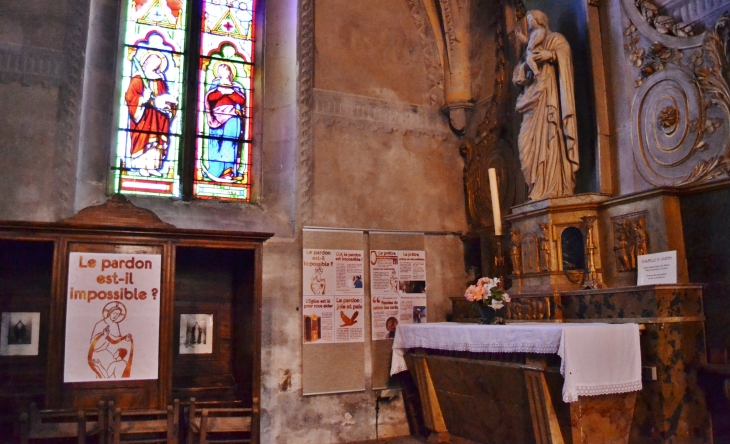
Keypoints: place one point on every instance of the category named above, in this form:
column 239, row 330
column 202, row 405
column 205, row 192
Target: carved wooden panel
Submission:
column 515, row 252
column 528, row 309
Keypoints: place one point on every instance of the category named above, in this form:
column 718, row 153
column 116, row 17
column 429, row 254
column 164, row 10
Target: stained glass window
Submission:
column 224, row 111
column 154, row 155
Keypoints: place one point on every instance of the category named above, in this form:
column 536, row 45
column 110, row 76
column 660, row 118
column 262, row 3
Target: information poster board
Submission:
column 397, row 289
column 333, row 296
column 112, row 317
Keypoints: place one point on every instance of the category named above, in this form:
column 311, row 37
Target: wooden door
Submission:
column 119, row 342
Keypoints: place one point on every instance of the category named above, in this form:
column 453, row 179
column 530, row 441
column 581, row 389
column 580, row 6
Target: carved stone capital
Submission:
column 459, row 114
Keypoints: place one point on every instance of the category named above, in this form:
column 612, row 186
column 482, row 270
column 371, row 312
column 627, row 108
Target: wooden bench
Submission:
column 51, row 425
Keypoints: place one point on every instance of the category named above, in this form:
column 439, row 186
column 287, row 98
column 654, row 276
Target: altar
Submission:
column 529, row 382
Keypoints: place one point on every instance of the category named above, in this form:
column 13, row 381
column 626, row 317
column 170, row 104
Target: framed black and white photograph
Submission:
column 196, row 334
column 19, row 333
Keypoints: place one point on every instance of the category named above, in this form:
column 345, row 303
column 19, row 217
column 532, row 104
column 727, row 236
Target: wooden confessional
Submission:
column 202, row 271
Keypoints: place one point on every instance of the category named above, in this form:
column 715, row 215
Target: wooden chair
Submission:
column 205, row 418
column 146, row 426
column 52, row 425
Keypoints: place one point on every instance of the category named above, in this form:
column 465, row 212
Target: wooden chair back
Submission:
column 206, row 418
column 148, row 426
column 52, row 425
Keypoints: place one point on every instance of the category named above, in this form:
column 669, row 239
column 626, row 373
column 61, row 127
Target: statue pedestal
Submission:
column 549, row 239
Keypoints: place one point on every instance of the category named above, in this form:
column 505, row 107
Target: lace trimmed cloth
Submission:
column 597, row 359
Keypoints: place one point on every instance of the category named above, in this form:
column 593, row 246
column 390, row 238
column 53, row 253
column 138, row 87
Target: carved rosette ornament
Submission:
column 681, row 108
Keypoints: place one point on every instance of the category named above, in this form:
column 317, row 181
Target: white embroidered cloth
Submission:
column 596, row 358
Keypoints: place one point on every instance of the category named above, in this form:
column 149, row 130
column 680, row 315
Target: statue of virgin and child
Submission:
column 548, row 140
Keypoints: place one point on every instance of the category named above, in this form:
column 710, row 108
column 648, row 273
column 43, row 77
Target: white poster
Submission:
column 397, row 289
column 112, row 317
column 349, row 319
column 337, row 274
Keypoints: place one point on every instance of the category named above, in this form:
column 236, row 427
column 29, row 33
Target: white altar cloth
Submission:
column 597, row 358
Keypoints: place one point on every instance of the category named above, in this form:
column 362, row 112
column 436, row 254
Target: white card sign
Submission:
column 657, row 268
column 112, row 317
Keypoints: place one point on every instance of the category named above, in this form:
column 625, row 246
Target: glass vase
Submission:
column 490, row 316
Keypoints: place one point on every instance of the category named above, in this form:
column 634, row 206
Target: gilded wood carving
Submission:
column 630, row 240
column 530, row 259
column 515, row 252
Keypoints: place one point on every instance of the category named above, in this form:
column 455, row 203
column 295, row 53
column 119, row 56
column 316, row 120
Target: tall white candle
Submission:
column 495, row 202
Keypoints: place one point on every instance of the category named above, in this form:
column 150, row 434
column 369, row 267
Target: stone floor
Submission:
column 414, row 439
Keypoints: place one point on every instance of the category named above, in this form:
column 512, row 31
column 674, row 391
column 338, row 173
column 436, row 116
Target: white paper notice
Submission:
column 112, row 317
column 349, row 319
column 385, row 316
column 657, row 268
column 349, row 266
column 319, row 314
column 319, row 272
column 383, row 272
column 401, row 274
column 338, row 275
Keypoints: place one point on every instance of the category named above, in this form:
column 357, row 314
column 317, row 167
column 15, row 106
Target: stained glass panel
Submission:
column 223, row 144
column 150, row 113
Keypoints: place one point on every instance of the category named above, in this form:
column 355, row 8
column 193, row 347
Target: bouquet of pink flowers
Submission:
column 487, row 293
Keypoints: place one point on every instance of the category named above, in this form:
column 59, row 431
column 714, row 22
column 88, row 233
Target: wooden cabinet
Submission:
column 202, row 272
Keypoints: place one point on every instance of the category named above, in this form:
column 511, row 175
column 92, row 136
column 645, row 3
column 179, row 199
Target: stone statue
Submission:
column 548, row 139
column 544, row 247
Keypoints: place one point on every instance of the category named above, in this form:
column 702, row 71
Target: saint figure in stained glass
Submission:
column 225, row 106
column 152, row 108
